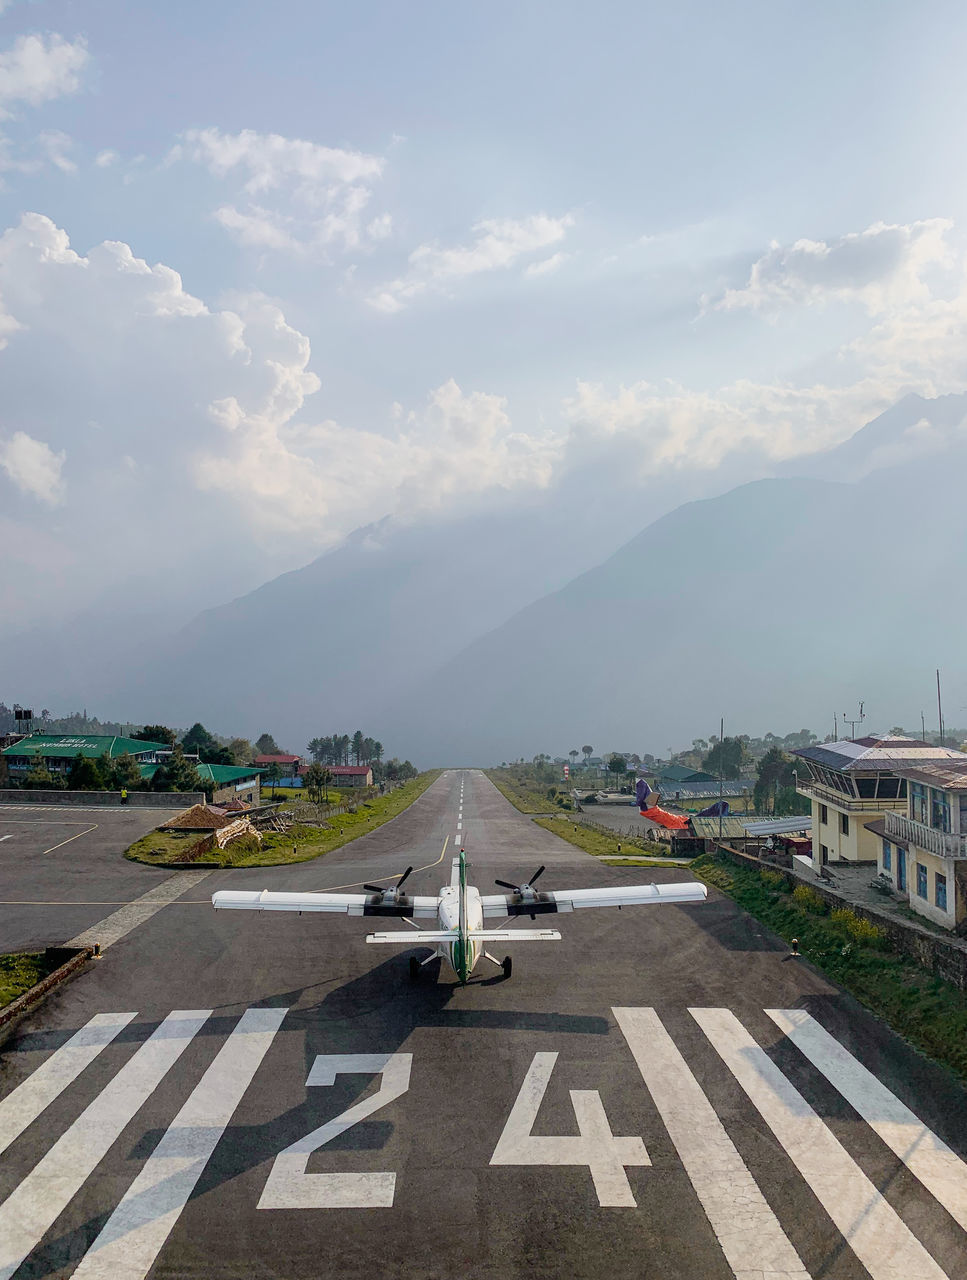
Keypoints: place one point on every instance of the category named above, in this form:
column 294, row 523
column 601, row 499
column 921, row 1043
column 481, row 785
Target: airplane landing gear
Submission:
column 507, row 966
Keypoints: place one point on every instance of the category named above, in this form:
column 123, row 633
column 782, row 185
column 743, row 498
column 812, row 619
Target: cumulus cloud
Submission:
column 290, row 194
column 497, row 244
column 33, row 466
column 880, row 267
column 38, row 68
column 104, row 159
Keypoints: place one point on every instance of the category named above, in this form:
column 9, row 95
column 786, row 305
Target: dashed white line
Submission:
column 132, row 1237
column 21, row 1107
column 880, row 1239
column 34, row 1206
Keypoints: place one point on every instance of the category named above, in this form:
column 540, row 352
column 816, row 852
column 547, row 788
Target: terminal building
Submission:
column 58, row 751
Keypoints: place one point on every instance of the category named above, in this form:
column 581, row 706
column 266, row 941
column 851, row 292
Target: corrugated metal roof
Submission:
column 950, row 775
column 732, row 827
column 90, row 745
column 778, row 826
column 885, row 755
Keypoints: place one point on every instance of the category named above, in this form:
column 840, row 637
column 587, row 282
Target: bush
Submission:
column 858, row 927
column 809, row 900
column 591, row 798
column 774, row 879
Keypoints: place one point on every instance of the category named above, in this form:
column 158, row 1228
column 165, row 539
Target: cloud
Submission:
column 547, row 265
column 33, row 466
column 497, row 244
column 104, row 159
column 290, row 195
column 37, row 68
column 879, row 267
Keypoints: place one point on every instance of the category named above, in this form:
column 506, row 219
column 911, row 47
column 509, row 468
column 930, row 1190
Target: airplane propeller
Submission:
column 393, row 892
column 522, row 888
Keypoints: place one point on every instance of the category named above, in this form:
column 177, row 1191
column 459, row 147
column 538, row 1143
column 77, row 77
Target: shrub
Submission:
column 774, row 879
column 808, row 899
column 858, row 927
column 591, row 798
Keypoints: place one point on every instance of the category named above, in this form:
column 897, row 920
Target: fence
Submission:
column 136, row 799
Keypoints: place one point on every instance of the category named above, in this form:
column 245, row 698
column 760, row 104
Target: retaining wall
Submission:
column 136, row 799
column 946, row 957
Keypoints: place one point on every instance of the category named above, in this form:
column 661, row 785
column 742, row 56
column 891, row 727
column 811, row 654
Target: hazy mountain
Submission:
column 779, row 603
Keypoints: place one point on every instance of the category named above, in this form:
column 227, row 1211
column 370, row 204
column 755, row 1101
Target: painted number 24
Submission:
column 596, row 1148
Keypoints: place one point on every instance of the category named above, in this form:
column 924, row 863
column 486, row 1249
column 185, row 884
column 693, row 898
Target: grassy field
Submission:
column 20, row 970
column 927, row 1011
column 302, row 842
column 523, row 794
column 608, row 847
column 297, row 793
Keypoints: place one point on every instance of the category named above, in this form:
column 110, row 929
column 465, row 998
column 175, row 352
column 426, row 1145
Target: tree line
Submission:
column 340, row 748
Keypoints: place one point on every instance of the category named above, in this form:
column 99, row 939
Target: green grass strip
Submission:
column 929, row 1012
column 300, row 844
column 601, row 845
column 521, row 796
column 21, row 970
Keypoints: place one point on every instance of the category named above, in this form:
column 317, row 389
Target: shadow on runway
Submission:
column 374, row 1013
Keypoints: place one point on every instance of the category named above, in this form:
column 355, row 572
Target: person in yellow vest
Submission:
column 124, row 795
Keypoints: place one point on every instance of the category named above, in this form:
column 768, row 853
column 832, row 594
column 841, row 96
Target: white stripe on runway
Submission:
column 22, row 1107
column 878, row 1237
column 940, row 1170
column 2, row 838
column 459, row 825
column 32, row 1208
column 115, row 926
column 752, row 1240
column 133, row 1236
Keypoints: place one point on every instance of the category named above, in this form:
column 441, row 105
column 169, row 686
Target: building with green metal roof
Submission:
column 231, row 781
column 59, row 750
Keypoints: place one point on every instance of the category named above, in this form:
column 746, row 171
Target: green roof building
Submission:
column 59, row 750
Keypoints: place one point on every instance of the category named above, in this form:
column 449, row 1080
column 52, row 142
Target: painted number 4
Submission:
column 605, row 1156
column 290, row 1187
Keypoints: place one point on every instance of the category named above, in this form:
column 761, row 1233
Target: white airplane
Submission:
column 460, row 911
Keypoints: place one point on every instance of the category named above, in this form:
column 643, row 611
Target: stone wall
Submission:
column 946, row 957
column 136, row 799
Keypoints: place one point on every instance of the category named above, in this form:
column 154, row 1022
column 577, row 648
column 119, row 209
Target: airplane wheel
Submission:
column 414, row 968
column 507, row 966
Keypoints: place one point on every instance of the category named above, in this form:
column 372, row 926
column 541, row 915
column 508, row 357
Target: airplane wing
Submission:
column 432, row 937
column 353, row 904
column 632, row 895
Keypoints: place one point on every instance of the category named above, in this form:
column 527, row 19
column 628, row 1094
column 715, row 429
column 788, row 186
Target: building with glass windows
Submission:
column 857, row 782
column 923, row 852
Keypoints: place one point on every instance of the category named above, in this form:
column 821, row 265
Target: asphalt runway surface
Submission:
column 663, row 1093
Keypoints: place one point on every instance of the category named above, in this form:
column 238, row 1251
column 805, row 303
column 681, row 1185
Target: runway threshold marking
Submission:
column 111, row 930
column 133, row 1236
column 881, row 1240
column 21, row 1107
column 70, row 838
column 34, row 1206
column 927, row 1157
column 748, row 1231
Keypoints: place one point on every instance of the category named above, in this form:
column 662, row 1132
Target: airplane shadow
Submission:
column 376, row 1012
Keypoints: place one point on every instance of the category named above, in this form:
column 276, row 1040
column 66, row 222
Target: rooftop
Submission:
column 52, row 745
column 876, row 755
column 947, row 776
column 280, row 757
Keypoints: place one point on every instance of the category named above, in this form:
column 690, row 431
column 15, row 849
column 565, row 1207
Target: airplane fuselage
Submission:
column 464, row 951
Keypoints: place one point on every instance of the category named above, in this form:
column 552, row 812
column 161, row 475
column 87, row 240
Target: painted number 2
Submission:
column 290, row 1187
column 605, row 1156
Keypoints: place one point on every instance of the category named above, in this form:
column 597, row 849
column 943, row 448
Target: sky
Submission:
column 271, row 272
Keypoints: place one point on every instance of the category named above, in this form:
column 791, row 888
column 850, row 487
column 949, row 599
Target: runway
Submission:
column 663, row 1093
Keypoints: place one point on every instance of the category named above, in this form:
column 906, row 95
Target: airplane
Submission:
column 460, row 910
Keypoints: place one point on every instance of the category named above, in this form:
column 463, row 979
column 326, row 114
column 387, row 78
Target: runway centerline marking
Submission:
column 881, row 1240
column 34, row 1206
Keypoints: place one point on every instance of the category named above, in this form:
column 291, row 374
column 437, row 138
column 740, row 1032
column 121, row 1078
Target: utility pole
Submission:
column 721, row 767
column 939, row 708
column 923, row 728
column 853, row 723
